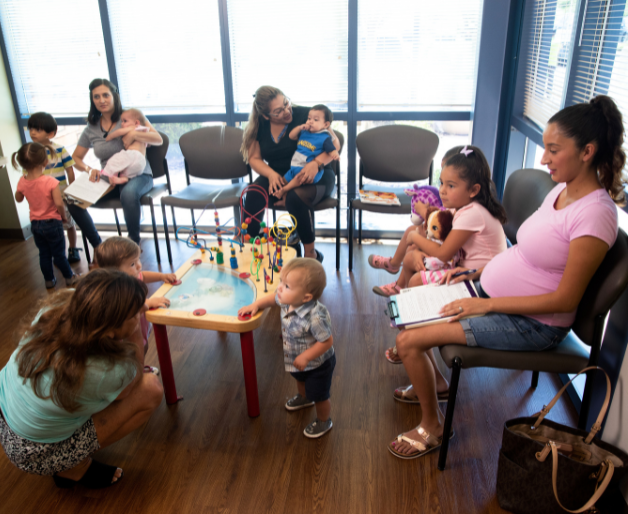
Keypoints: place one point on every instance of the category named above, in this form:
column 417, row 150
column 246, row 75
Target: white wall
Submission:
column 12, row 214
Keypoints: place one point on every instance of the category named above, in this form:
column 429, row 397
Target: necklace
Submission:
column 271, row 134
column 105, row 134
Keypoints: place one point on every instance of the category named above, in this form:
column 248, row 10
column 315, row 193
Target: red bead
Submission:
column 247, row 220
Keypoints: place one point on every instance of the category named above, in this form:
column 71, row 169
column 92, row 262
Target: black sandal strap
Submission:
column 99, row 475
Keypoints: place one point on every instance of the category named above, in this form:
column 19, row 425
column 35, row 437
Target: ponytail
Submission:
column 599, row 122
column 263, row 96
column 31, row 155
column 473, row 168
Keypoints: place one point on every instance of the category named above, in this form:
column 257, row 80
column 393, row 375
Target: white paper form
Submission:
column 84, row 191
column 420, row 304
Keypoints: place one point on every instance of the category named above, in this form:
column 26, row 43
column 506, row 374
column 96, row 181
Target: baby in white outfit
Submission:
column 131, row 161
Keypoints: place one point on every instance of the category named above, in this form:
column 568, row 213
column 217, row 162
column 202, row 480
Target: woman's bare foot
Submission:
column 405, row 448
column 77, row 472
column 392, row 355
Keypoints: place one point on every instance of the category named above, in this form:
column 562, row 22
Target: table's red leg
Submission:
column 165, row 364
column 250, row 375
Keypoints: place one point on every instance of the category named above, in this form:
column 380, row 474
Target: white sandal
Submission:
column 430, row 443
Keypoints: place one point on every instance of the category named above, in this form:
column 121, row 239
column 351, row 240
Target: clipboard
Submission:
column 409, row 300
column 84, row 193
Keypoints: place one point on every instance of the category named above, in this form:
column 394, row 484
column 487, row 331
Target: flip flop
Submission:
column 97, row 476
column 430, row 443
column 392, row 350
column 406, row 395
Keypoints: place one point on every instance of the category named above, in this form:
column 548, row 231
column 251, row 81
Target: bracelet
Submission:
column 88, row 170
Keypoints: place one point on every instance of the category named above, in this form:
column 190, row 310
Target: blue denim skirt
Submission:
column 511, row 332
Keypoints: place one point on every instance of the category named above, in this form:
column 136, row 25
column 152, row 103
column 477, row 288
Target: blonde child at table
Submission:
column 123, row 254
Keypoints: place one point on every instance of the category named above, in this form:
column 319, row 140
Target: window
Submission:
column 417, row 55
column 55, row 49
column 299, row 46
column 551, row 32
column 602, row 67
column 168, row 56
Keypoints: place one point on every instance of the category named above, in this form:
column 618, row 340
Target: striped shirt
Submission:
column 301, row 329
column 57, row 169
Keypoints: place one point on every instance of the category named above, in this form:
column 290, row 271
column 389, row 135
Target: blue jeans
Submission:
column 50, row 240
column 129, row 195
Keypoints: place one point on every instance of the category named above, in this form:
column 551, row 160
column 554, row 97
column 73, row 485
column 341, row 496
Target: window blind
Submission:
column 298, row 46
column 417, row 54
column 602, row 67
column 550, row 34
column 168, row 55
column 55, row 49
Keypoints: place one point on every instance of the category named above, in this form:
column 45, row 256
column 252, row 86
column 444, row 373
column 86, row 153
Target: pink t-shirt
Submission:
column 38, row 193
column 535, row 265
column 488, row 240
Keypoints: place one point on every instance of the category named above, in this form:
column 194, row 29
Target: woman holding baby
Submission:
column 103, row 119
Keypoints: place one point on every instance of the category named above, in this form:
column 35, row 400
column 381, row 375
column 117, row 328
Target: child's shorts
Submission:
column 432, row 276
column 317, row 380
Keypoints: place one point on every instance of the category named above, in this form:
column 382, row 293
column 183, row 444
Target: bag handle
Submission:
column 597, row 426
column 599, row 490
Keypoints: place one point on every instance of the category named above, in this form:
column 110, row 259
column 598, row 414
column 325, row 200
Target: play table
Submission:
column 208, row 297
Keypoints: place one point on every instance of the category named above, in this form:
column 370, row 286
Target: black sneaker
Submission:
column 73, row 255
column 298, row 402
column 51, row 283
column 317, row 428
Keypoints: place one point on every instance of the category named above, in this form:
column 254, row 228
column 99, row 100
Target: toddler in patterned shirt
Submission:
column 307, row 340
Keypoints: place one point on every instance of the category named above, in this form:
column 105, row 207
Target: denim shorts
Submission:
column 511, row 332
column 317, row 380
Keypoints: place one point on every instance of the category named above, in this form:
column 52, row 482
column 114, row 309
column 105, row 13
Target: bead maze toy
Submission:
column 210, row 288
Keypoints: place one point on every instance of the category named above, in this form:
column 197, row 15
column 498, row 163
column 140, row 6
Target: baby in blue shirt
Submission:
column 315, row 137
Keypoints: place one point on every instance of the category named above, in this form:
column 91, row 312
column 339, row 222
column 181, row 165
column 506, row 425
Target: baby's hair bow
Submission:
column 466, row 151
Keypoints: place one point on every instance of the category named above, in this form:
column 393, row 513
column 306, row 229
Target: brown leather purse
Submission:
column 548, row 468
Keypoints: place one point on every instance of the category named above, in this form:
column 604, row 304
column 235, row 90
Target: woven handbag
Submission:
column 548, row 468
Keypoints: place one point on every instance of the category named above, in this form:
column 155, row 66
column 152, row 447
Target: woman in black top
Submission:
column 268, row 149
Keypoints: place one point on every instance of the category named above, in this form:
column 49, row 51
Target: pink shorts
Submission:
column 433, row 276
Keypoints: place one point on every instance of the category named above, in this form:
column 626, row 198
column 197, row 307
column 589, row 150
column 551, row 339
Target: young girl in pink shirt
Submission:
column 46, row 210
column 466, row 186
column 532, row 290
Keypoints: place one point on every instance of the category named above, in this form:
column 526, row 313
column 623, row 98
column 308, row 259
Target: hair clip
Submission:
column 253, row 95
column 466, row 151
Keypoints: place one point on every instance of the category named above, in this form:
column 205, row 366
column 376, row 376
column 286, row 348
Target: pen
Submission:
column 461, row 273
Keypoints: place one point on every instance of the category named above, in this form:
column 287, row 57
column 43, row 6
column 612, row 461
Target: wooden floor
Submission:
column 205, row 454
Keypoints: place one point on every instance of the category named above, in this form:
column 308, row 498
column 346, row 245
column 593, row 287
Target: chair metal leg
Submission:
column 174, row 220
column 274, row 216
column 163, row 212
column 535, row 379
column 449, row 417
column 86, row 248
column 115, row 213
column 338, row 237
column 585, row 406
column 152, row 216
column 360, row 227
column 350, row 236
column 193, row 221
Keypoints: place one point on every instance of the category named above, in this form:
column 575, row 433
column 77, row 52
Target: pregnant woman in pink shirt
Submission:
column 530, row 292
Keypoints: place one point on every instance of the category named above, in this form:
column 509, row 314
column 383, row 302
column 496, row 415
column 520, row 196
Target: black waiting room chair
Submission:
column 156, row 156
column 393, row 153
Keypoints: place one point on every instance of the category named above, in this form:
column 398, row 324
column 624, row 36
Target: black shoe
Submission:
column 319, row 256
column 51, row 283
column 73, row 255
